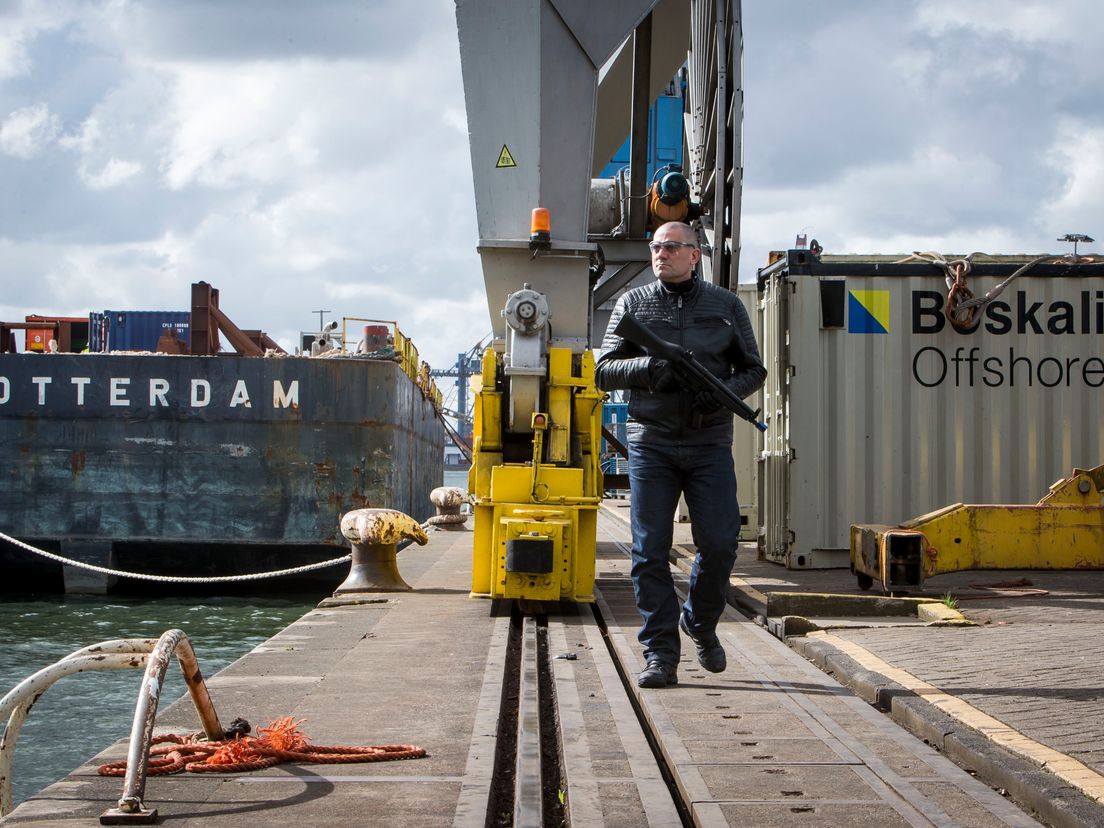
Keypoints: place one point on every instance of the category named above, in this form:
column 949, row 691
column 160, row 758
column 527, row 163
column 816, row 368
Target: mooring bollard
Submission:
column 448, row 500
column 375, row 534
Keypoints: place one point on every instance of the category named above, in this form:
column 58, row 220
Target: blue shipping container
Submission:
column 615, row 418
column 135, row 330
column 664, row 139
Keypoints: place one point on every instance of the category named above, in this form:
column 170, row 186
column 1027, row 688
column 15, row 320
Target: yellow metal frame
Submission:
column 1064, row 530
column 553, row 497
column 417, row 369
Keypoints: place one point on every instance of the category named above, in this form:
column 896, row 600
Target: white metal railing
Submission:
column 152, row 654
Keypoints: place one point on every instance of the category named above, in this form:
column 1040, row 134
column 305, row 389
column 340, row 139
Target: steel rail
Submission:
column 550, row 720
column 528, row 784
column 581, row 789
column 472, row 803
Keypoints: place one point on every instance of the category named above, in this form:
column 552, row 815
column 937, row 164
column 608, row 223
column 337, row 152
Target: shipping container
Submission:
column 135, row 330
column 879, row 410
column 745, row 437
column 615, row 419
column 69, row 333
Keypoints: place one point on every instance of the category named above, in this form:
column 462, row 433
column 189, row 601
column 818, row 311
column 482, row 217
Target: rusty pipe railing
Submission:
column 130, row 807
column 154, row 655
column 107, row 655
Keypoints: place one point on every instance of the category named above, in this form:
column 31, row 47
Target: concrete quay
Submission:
column 1011, row 691
column 774, row 740
column 1017, row 698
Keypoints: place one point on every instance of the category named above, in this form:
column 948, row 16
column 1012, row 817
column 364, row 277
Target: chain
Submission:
column 962, row 308
column 174, row 579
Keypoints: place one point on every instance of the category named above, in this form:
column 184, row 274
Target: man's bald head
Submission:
column 676, row 231
column 674, row 262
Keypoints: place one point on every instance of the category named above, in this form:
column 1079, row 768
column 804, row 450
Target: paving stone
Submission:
column 1034, row 661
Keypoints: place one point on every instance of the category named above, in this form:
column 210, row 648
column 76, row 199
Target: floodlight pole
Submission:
column 1075, row 238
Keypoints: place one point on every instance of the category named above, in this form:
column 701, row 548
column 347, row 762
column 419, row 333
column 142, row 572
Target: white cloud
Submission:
column 454, row 323
column 24, row 22
column 77, row 278
column 19, row 26
column 86, row 139
column 915, row 202
column 120, row 136
column 960, row 125
column 950, row 242
column 1030, row 22
column 27, row 131
column 358, row 292
column 114, row 173
column 289, row 181
column 317, row 158
column 1078, row 154
column 14, row 60
column 232, row 125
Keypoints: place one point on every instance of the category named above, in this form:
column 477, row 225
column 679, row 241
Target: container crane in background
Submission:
column 552, row 87
column 467, row 365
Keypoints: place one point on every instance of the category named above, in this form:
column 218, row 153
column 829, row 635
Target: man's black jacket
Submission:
column 709, row 321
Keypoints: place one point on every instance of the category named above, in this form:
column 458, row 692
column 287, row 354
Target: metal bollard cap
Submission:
column 448, row 497
column 381, row 526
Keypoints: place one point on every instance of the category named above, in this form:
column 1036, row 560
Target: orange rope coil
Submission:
column 282, row 741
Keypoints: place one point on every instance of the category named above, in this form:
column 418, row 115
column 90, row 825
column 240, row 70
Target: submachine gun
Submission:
column 691, row 374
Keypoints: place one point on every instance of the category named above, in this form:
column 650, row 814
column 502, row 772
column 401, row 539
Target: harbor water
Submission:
column 456, row 477
column 82, row 714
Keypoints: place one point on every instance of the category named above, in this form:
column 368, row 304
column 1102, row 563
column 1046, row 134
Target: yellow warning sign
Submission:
column 505, row 159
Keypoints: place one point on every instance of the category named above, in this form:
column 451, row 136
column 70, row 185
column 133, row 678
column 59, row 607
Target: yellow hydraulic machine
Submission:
column 535, row 477
column 551, row 88
column 1064, row 530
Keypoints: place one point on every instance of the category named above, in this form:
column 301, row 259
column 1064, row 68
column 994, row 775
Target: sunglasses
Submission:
column 669, row 246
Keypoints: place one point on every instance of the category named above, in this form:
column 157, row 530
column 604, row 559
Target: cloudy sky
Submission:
column 303, row 156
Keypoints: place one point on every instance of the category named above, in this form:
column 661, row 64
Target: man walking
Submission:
column 681, row 443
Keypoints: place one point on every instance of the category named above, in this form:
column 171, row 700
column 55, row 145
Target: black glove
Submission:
column 661, row 375
column 705, row 403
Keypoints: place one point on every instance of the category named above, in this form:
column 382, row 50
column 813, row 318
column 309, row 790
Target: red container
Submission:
column 70, row 333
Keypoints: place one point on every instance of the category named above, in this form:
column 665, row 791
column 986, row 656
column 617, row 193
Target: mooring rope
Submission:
column 282, row 741
column 174, row 579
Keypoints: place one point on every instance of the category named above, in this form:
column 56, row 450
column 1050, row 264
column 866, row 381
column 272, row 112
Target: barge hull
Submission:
column 213, row 450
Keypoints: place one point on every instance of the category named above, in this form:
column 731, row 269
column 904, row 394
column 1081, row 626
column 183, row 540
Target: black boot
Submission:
column 711, row 654
column 657, row 674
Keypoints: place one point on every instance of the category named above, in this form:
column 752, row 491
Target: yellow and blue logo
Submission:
column 868, row 311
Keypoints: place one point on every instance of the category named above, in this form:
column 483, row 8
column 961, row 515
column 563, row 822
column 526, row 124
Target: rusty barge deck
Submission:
column 102, row 450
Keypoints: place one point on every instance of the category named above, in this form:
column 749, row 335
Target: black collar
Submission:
column 680, row 288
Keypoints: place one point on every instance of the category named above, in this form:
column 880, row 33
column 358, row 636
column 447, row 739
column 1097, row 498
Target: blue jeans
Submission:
column 657, row 475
